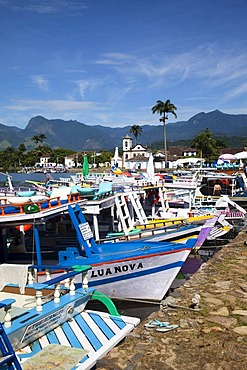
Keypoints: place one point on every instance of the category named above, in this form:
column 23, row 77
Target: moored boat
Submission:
column 49, row 325
column 131, row 269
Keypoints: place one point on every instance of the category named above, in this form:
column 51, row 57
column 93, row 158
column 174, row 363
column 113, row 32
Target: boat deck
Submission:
column 95, row 332
column 49, row 324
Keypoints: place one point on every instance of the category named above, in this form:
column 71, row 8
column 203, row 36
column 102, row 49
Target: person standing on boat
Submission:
column 48, row 178
column 217, row 188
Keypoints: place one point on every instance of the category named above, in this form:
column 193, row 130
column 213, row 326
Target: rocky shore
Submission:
column 212, row 335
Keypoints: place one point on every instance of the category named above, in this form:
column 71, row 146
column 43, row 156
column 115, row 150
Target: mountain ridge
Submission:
column 79, row 136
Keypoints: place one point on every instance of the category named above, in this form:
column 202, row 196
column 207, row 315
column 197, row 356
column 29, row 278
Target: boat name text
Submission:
column 116, row 269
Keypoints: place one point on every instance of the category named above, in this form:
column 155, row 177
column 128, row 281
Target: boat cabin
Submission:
column 228, row 184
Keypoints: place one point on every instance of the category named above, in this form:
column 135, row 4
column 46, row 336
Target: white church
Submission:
column 133, row 157
column 136, row 158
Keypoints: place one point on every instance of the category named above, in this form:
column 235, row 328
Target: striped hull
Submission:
column 96, row 332
column 146, row 277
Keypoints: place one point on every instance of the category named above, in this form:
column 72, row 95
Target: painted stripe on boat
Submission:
column 71, row 333
column 85, row 343
column 52, row 337
column 135, row 274
column 61, row 336
column 94, row 335
column 181, row 249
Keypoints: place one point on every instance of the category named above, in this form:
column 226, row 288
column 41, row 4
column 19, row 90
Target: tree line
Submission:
column 206, row 143
column 15, row 158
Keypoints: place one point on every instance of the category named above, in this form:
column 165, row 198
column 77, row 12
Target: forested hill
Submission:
column 80, row 136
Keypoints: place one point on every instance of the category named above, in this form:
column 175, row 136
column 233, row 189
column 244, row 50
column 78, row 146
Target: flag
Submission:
column 85, row 168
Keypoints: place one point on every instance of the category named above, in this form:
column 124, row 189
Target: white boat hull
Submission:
column 143, row 278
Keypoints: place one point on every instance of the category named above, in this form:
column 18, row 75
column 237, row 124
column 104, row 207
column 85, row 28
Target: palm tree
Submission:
column 163, row 108
column 135, row 130
column 38, row 138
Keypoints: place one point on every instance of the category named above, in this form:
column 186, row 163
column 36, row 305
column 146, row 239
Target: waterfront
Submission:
column 211, row 338
column 34, row 176
column 141, row 310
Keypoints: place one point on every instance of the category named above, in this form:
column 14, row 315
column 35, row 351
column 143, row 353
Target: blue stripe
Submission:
column 74, row 342
column 92, row 338
column 85, row 358
column 135, row 274
column 102, row 325
column 52, row 338
column 118, row 321
column 72, row 338
column 35, row 347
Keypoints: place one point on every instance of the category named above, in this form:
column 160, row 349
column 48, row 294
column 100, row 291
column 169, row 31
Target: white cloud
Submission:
column 206, row 64
column 241, row 89
column 46, row 105
column 89, row 85
column 72, row 7
column 114, row 58
column 41, row 82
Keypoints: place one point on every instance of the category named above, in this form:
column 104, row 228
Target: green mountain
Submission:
column 79, row 136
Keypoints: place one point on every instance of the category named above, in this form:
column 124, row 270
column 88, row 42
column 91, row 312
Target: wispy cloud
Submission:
column 46, row 105
column 87, row 86
column 41, row 82
column 114, row 59
column 206, row 65
column 46, row 6
column 241, row 89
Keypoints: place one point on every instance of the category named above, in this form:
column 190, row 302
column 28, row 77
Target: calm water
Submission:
column 21, row 177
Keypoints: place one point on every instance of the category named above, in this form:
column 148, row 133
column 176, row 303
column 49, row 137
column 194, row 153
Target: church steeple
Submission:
column 127, row 148
column 127, row 143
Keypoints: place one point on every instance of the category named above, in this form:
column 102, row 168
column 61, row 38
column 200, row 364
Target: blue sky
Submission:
column 107, row 62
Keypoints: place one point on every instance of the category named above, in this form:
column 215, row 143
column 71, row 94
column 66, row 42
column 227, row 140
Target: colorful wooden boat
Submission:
column 49, row 325
column 19, row 213
column 132, row 269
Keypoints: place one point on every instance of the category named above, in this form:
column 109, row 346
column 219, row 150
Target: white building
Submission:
column 134, row 157
column 71, row 161
column 44, row 161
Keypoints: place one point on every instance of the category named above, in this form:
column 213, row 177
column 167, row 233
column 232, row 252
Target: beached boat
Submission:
column 138, row 269
column 48, row 325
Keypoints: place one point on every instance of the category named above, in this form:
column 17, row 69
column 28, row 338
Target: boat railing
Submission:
column 147, row 230
column 37, row 206
column 64, row 280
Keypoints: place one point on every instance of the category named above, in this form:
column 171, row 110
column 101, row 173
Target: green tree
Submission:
column 245, row 143
column 21, row 153
column 38, row 138
column 103, row 157
column 136, row 130
column 220, row 142
column 58, row 155
column 22, row 148
column 206, row 143
column 163, row 109
column 9, row 158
